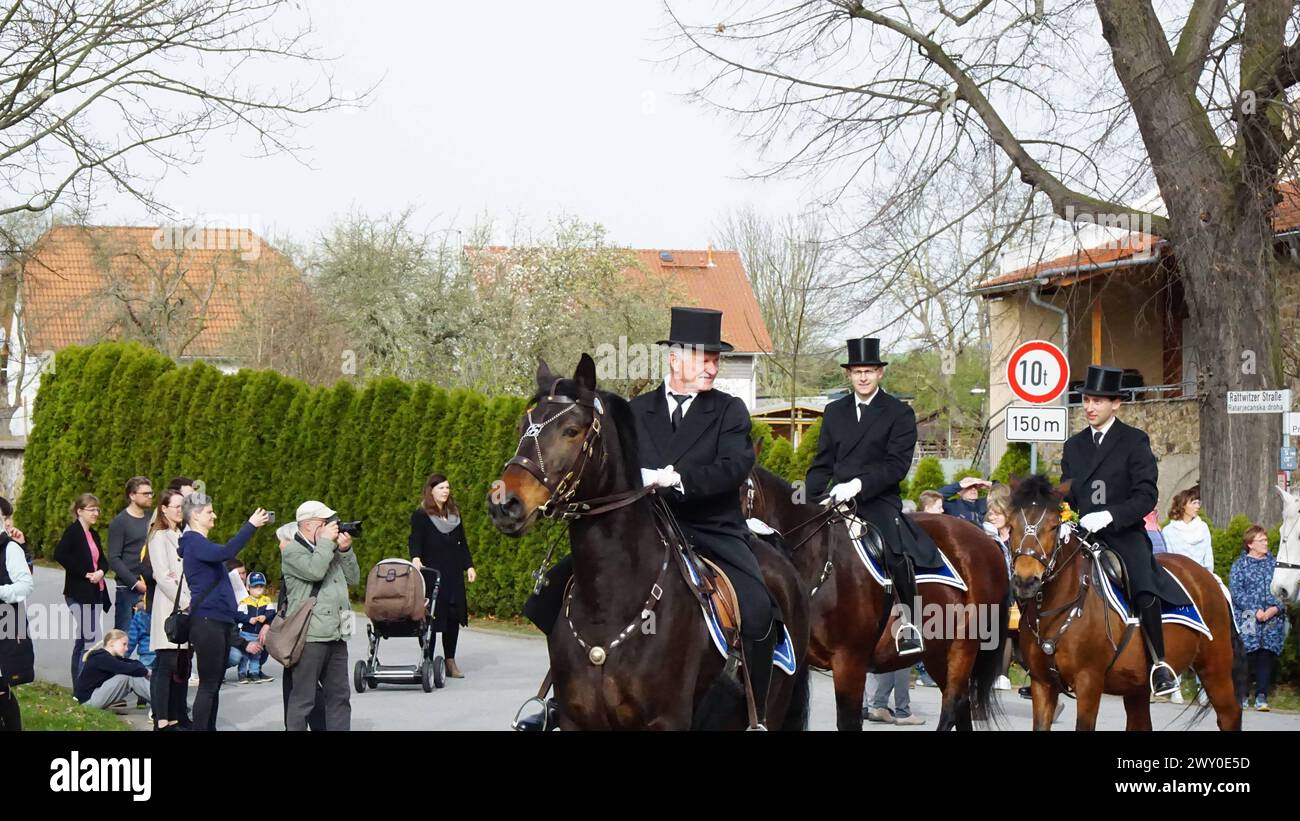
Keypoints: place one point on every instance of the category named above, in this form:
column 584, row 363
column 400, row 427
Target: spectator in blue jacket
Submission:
column 968, row 505
column 213, row 614
column 107, row 676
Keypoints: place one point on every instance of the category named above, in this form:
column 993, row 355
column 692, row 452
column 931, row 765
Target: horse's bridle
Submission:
column 563, row 490
column 1282, row 542
column 1049, row 563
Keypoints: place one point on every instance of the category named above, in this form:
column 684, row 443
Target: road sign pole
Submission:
column 1033, row 458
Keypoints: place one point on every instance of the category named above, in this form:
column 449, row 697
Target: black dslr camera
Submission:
column 353, row 529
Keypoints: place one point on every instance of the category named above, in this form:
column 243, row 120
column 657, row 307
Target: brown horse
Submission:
column 630, row 649
column 1093, row 650
column 852, row 627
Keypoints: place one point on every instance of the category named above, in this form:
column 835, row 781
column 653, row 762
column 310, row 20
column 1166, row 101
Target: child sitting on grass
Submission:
column 107, row 676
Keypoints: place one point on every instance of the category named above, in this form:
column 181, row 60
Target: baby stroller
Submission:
column 399, row 604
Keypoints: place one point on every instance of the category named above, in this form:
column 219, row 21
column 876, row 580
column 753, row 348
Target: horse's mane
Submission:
column 617, row 410
column 620, row 411
column 785, row 496
column 1034, row 490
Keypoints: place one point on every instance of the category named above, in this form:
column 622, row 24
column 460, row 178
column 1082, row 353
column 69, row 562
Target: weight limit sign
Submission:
column 1037, row 372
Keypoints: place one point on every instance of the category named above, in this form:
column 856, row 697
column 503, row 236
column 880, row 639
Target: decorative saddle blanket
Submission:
column 782, row 656
column 1186, row 615
column 946, row 574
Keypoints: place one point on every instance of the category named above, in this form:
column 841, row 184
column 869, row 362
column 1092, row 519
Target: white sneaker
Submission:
column 1003, row 683
column 1202, row 699
column 1176, row 698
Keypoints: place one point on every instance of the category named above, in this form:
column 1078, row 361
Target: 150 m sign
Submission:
column 1035, row 424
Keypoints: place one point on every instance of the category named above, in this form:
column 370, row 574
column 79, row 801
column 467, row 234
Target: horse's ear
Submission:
column 585, row 374
column 758, row 448
column 1013, row 482
column 1064, row 488
column 544, row 376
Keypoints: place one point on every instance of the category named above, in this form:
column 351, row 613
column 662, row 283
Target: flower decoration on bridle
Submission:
column 1068, row 513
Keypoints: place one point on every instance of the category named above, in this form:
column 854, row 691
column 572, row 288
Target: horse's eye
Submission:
column 569, row 433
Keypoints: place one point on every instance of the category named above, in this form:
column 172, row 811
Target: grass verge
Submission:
column 47, row 706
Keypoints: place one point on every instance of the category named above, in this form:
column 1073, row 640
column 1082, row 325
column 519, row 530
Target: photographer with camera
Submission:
column 319, row 563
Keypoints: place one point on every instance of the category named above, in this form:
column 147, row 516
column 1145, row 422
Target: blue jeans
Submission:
column 124, row 606
column 879, row 686
column 86, row 625
column 250, row 665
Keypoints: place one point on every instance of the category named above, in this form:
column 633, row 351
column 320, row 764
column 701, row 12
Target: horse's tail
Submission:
column 985, row 673
column 1240, row 669
column 796, row 715
column 1240, row 676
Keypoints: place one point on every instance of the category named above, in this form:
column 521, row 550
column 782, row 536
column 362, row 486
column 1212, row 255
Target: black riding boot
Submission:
column 540, row 720
column 1163, row 679
column 907, row 639
column 758, row 661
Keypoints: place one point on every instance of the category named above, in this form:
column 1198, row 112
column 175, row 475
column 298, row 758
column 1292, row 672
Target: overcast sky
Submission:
column 520, row 109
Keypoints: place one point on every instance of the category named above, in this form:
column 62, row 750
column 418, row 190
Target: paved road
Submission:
column 503, row 669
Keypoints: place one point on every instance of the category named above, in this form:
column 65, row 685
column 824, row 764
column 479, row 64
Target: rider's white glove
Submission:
column 661, row 477
column 845, row 491
column 1097, row 520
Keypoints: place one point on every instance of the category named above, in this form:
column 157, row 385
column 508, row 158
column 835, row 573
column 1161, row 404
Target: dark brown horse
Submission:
column 1093, row 650
column 851, row 635
column 630, row 649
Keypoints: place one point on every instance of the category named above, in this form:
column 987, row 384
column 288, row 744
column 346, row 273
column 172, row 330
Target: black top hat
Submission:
column 863, row 351
column 697, row 327
column 1103, row 381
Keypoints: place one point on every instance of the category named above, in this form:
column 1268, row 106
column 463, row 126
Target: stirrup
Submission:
column 1173, row 688
column 514, row 725
column 920, row 642
column 760, row 727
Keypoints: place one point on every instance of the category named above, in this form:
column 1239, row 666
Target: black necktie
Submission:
column 1096, row 438
column 677, row 411
column 861, row 411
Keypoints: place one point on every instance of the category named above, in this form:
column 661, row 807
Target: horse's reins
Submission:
column 827, row 516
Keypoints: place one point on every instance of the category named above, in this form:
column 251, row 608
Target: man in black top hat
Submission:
column 1112, row 475
column 865, row 450
column 694, row 443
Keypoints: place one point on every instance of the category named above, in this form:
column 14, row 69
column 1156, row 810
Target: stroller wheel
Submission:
column 359, row 676
column 439, row 669
column 426, row 677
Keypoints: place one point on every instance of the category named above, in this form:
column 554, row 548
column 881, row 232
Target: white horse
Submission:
column 1286, row 576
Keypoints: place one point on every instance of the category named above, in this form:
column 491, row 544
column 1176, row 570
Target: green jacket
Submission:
column 302, row 567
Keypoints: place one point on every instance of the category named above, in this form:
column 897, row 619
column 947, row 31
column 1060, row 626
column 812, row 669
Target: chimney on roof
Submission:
column 711, row 263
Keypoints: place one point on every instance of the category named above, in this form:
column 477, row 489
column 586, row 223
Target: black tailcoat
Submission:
column 712, row 451
column 878, row 451
column 1120, row 477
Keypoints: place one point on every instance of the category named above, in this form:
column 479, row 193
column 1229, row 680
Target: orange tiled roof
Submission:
column 69, row 277
column 1286, row 217
column 723, row 286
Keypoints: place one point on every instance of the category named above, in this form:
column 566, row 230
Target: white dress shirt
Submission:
column 672, row 403
column 859, row 403
column 672, row 407
column 1103, row 430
